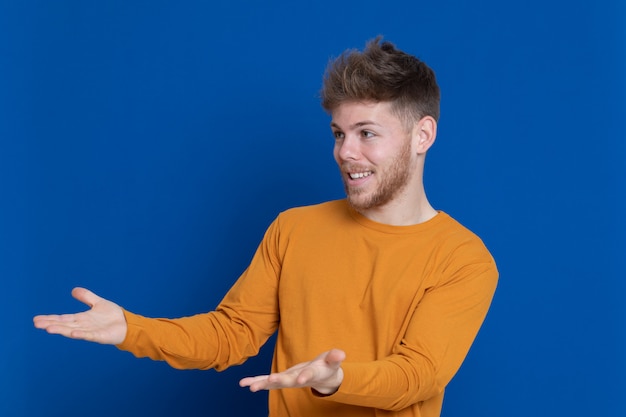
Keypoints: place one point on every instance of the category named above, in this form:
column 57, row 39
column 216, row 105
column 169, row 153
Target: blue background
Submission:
column 146, row 145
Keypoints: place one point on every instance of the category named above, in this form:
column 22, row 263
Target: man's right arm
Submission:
column 247, row 316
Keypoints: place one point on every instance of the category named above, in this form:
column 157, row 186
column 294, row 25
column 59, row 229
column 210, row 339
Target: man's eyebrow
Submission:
column 356, row 125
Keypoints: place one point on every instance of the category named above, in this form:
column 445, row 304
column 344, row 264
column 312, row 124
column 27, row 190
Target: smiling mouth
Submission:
column 358, row 175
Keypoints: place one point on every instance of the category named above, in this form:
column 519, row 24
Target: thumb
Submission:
column 85, row 296
column 334, row 357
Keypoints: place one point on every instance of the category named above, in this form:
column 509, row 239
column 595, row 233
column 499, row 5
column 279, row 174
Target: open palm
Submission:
column 103, row 323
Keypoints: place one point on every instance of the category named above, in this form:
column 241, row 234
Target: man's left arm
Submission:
column 438, row 337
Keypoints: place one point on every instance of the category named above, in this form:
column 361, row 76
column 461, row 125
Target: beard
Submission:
column 393, row 179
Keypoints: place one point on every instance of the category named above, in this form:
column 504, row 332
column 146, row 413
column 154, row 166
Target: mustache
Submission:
column 351, row 167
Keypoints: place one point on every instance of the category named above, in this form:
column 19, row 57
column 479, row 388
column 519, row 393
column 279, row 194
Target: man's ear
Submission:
column 424, row 134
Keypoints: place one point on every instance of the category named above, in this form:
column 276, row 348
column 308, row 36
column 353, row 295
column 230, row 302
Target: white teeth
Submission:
column 358, row 175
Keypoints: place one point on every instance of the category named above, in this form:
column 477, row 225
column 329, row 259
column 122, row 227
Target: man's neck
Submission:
column 401, row 213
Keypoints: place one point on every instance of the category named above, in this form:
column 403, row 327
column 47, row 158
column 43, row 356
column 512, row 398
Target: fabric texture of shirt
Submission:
column 404, row 302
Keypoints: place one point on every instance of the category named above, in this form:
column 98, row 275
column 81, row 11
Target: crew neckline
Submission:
column 388, row 228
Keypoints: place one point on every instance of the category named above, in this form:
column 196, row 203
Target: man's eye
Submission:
column 367, row 134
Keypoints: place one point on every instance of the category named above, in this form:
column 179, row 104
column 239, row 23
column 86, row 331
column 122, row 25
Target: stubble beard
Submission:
column 393, row 180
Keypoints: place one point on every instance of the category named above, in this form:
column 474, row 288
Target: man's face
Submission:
column 374, row 152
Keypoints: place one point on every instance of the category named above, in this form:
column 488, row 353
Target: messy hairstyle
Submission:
column 382, row 73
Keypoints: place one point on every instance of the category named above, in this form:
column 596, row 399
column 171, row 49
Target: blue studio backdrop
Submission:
column 146, row 145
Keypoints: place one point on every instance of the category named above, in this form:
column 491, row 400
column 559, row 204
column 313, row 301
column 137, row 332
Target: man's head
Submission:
column 382, row 73
column 384, row 106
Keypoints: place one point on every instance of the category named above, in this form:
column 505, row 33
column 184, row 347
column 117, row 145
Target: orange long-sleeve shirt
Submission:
column 404, row 303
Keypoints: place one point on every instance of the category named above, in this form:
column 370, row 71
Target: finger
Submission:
column 85, row 296
column 335, row 357
column 246, row 382
column 69, row 325
column 68, row 318
column 280, row 380
column 268, row 382
column 72, row 330
column 259, row 383
column 61, row 329
column 89, row 336
column 44, row 321
column 305, row 376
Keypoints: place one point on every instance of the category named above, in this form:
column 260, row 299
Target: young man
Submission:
column 376, row 298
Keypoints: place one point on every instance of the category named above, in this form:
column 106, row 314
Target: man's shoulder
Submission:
column 455, row 227
column 326, row 210
column 459, row 238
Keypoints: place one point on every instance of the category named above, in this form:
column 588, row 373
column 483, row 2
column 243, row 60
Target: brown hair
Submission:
column 382, row 73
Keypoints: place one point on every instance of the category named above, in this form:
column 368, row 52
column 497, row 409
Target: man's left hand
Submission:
column 323, row 374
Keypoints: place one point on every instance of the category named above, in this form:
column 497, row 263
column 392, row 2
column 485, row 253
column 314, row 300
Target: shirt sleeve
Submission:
column 239, row 326
column 440, row 333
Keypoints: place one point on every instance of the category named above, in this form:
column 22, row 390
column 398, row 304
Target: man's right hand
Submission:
column 103, row 323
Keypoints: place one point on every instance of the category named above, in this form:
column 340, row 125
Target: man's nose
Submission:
column 348, row 149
